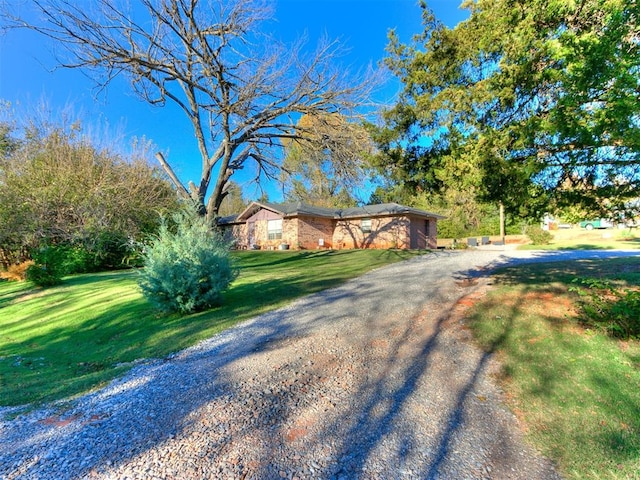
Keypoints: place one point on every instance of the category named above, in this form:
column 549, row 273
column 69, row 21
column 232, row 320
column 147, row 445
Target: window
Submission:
column 365, row 225
column 274, row 229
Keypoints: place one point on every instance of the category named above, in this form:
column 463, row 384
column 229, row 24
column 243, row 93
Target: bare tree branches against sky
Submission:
column 29, row 73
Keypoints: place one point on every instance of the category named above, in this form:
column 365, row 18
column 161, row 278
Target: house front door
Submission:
column 419, row 234
column 251, row 234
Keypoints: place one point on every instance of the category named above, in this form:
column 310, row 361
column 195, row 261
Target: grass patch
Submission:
column 577, row 390
column 74, row 337
column 580, row 239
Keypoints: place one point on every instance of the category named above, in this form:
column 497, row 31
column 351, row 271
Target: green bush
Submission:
column 187, row 267
column 77, row 259
column 607, row 308
column 112, row 250
column 538, row 235
column 49, row 266
column 104, row 251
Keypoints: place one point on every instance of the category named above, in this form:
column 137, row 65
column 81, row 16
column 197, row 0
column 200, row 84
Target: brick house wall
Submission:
column 418, row 236
column 432, row 233
column 311, row 230
column 386, row 232
column 236, row 234
column 258, row 229
column 423, row 233
column 290, row 232
column 302, row 232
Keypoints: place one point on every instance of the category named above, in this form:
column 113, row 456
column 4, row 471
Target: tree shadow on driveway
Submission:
column 435, row 418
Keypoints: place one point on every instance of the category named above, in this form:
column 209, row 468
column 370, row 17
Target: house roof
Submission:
column 384, row 209
column 227, row 219
column 294, row 209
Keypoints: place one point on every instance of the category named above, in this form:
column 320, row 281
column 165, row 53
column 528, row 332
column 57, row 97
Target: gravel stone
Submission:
column 373, row 379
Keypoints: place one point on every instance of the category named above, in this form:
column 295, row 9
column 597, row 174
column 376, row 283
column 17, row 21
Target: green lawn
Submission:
column 576, row 390
column 68, row 339
column 581, row 239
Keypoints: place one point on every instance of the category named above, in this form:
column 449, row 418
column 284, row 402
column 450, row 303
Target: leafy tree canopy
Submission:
column 528, row 102
column 327, row 164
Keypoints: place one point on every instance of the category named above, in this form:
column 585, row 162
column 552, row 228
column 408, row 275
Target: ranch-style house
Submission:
column 271, row 226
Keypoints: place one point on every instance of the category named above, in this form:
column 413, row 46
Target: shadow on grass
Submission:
column 13, row 291
column 589, row 246
column 574, row 389
column 102, row 331
column 163, row 418
column 65, row 360
column 256, row 259
column 620, row 439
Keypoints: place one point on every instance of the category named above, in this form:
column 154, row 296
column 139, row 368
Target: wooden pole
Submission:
column 502, row 234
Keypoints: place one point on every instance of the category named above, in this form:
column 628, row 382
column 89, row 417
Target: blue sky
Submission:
column 28, row 76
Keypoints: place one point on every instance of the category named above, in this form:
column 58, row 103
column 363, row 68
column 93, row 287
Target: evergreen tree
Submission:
column 527, row 102
column 187, row 267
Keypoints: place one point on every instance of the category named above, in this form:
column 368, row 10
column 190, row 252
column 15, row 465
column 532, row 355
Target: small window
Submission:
column 274, row 229
column 365, row 225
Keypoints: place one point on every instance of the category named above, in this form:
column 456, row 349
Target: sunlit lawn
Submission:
column 577, row 391
column 581, row 239
column 65, row 340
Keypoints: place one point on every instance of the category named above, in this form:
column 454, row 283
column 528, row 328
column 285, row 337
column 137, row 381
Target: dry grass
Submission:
column 17, row 273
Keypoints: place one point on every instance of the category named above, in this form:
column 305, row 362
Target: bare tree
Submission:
column 241, row 89
column 328, row 165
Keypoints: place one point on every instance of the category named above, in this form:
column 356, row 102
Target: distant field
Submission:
column 609, row 238
column 571, row 238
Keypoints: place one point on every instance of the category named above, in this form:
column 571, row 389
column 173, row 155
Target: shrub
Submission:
column 538, row 236
column 77, row 259
column 111, row 250
column 49, row 266
column 102, row 198
column 186, row 268
column 100, row 252
column 456, row 245
column 17, row 272
column 104, row 251
column 607, row 308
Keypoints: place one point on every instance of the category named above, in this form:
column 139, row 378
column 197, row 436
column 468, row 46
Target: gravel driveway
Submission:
column 374, row 379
